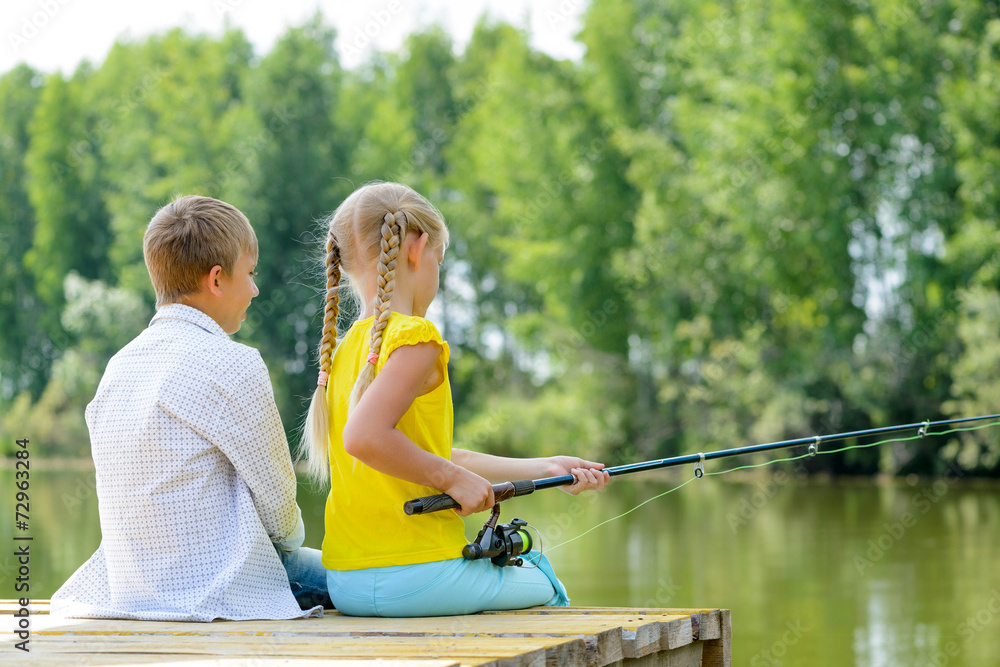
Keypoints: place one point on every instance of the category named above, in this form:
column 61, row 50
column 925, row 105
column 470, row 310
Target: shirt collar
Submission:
column 179, row 311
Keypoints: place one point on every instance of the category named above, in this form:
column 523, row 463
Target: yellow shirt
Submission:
column 365, row 523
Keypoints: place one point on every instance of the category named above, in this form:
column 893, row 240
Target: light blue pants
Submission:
column 445, row 588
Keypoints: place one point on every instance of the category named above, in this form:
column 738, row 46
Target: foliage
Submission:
column 100, row 320
column 729, row 222
column 976, row 387
column 25, row 350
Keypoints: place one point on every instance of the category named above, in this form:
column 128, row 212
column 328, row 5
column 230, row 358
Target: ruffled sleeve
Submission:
column 408, row 330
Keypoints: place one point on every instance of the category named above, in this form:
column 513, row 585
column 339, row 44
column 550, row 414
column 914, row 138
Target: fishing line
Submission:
column 528, row 557
column 615, row 518
column 919, row 436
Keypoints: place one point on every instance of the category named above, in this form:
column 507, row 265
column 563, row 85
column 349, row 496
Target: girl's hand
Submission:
column 589, row 474
column 469, row 490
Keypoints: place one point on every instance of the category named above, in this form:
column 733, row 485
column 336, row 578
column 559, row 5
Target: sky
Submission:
column 55, row 35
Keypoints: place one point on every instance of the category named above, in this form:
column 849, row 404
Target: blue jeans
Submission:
column 445, row 588
column 306, row 576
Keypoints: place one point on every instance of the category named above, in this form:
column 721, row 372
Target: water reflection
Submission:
column 815, row 573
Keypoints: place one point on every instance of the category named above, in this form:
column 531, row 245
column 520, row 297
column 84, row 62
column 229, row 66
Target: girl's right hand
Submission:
column 469, row 490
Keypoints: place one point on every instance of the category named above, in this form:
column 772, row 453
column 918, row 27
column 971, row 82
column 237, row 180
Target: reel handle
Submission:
column 443, row 501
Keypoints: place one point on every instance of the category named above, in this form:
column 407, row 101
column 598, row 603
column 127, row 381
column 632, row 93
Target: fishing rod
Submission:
column 523, row 487
column 505, row 543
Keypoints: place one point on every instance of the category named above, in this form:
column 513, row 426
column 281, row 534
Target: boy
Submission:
column 195, row 485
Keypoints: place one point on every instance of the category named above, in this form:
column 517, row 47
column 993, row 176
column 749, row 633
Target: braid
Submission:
column 392, row 232
column 313, row 447
column 332, row 308
column 386, row 276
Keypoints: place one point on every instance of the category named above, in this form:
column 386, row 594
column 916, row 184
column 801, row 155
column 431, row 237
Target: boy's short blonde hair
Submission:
column 189, row 236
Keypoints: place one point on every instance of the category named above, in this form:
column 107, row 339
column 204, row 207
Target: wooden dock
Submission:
column 536, row 637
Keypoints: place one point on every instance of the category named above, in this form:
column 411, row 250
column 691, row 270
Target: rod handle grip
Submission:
column 443, row 501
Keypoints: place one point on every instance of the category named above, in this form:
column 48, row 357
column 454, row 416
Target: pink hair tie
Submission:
column 372, row 358
column 323, row 377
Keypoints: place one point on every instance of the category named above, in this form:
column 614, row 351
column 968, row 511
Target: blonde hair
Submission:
column 189, row 236
column 364, row 234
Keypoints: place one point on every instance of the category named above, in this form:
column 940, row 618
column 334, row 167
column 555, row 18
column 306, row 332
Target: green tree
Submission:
column 969, row 100
column 302, row 173
column 796, row 179
column 540, row 215
column 173, row 123
column 23, row 356
column 64, row 187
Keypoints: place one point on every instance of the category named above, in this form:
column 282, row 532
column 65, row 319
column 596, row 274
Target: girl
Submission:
column 381, row 418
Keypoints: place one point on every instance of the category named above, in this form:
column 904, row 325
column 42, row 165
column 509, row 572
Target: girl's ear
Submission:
column 415, row 250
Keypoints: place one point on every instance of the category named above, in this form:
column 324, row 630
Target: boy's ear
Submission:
column 415, row 250
column 210, row 283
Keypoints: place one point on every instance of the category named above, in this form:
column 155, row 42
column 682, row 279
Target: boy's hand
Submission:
column 589, row 474
column 469, row 490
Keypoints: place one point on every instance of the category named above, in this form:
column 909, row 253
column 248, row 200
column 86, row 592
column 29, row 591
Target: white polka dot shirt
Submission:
column 194, row 482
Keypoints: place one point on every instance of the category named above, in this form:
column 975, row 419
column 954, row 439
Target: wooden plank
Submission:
column 673, row 634
column 568, row 646
column 468, row 650
column 125, row 659
column 579, row 625
column 645, row 611
column 87, row 633
column 603, row 647
column 423, row 624
column 643, row 635
column 595, row 636
column 42, row 607
column 676, row 633
column 34, row 606
column 641, row 641
column 685, row 656
column 602, row 634
column 709, row 625
column 718, row 652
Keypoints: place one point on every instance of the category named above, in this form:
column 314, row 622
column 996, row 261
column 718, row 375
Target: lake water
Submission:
column 815, row 573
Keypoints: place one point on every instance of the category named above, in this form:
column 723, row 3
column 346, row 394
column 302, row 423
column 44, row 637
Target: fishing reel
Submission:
column 502, row 544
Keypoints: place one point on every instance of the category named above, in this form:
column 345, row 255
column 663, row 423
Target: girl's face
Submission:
column 427, row 278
